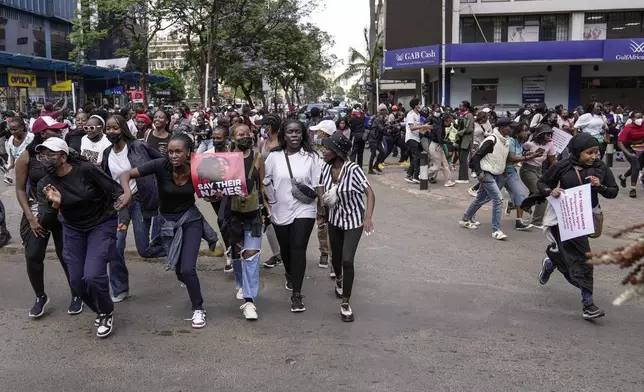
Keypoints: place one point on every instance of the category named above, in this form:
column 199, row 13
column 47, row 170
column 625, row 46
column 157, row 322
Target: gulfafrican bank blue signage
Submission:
column 624, row 49
column 423, row 56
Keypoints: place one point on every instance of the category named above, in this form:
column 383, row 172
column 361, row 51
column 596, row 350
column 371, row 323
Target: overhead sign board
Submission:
column 534, row 89
column 62, row 86
column 624, row 49
column 21, row 80
column 419, row 57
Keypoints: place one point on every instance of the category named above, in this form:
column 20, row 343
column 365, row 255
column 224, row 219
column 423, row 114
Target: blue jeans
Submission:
column 118, row 270
column 489, row 190
column 247, row 269
column 515, row 188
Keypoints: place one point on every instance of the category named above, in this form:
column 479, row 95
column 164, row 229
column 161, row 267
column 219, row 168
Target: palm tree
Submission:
column 364, row 66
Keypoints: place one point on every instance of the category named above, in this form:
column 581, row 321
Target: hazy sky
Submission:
column 344, row 20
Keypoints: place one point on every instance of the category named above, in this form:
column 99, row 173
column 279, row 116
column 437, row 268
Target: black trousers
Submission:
column 221, row 221
column 293, row 240
column 35, row 252
column 344, row 244
column 377, row 150
column 637, row 163
column 390, row 143
column 413, row 147
column 357, row 150
column 463, row 169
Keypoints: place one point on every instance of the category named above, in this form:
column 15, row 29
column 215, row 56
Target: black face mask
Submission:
column 244, row 143
column 49, row 167
column 114, row 137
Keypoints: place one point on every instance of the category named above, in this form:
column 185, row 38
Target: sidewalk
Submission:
column 618, row 213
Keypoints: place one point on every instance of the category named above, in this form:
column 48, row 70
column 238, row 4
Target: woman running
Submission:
column 345, row 186
column 124, row 154
column 569, row 257
column 246, row 223
column 180, row 220
column 292, row 174
column 159, row 136
column 539, row 148
column 633, row 133
column 85, row 197
column 35, row 237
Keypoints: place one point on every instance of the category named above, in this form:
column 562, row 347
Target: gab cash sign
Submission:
column 21, row 80
column 422, row 56
column 218, row 174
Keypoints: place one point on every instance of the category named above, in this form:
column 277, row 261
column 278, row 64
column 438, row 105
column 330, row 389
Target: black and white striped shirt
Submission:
column 348, row 212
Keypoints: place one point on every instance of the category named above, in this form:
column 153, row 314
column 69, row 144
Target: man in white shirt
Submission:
column 412, row 140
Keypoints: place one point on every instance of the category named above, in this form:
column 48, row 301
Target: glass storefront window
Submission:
column 614, row 25
column 515, row 28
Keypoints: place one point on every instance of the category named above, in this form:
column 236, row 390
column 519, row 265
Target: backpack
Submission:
column 249, row 203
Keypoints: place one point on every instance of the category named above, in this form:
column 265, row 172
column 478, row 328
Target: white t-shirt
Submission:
column 94, row 151
column 591, row 124
column 13, row 151
column 277, row 185
column 119, row 164
column 414, row 119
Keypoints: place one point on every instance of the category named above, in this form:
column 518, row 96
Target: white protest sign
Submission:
column 574, row 212
column 560, row 139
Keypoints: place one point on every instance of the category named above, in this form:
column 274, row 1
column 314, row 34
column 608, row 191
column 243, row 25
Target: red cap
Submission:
column 144, row 117
column 45, row 122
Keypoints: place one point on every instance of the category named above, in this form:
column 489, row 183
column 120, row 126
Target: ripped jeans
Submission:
column 247, row 268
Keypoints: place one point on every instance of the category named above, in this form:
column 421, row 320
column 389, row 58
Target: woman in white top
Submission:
column 292, row 219
column 594, row 123
column 94, row 142
column 345, row 186
column 16, row 144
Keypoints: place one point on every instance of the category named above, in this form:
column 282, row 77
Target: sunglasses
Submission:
column 91, row 127
column 47, row 156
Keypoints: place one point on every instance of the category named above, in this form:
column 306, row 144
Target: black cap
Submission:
column 503, row 122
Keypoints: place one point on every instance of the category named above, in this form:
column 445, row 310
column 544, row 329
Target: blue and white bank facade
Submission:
column 526, row 51
column 556, row 72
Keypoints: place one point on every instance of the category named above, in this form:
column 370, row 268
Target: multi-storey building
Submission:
column 166, row 53
column 521, row 51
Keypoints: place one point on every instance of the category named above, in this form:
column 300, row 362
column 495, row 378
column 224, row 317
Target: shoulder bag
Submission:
column 300, row 191
column 598, row 217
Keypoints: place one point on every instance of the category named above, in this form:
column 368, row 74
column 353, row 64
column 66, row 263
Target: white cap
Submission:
column 326, row 126
column 486, row 110
column 55, row 144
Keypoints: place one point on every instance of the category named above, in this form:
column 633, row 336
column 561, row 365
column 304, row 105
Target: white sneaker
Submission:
column 498, row 235
column 250, row 311
column 468, row 225
column 462, row 181
column 240, row 293
column 450, row 184
column 473, row 175
column 198, row 319
column 121, row 297
column 472, row 192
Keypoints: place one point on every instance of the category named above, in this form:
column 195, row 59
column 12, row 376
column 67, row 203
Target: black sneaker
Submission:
column 372, row 172
column 592, row 312
column 622, row 180
column 520, row 225
column 546, row 270
column 324, row 261
column 104, row 325
column 347, row 313
column 39, row 307
column 97, row 320
column 288, row 285
column 296, row 303
column 409, row 179
column 76, row 306
column 338, row 287
column 273, row 262
column 632, row 194
column 377, row 169
column 228, row 268
column 509, row 207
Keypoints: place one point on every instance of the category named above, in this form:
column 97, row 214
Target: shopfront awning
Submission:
column 22, row 61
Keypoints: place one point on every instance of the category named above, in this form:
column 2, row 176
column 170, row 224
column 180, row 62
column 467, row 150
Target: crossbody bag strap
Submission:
column 578, row 176
column 288, row 163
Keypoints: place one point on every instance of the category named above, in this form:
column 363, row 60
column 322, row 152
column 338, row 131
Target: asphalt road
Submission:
column 437, row 308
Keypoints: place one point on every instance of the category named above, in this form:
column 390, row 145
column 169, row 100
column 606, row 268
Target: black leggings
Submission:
column 390, row 144
column 35, row 252
column 377, row 150
column 344, row 244
column 221, row 221
column 293, row 240
column 357, row 150
column 636, row 164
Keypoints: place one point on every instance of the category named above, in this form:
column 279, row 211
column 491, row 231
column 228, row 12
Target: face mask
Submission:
column 638, row 122
column 49, row 167
column 244, row 143
column 437, row 114
column 114, row 137
column 262, row 132
column 218, row 144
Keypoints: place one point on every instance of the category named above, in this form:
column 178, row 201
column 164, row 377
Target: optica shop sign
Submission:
column 423, row 56
column 21, row 80
column 624, row 50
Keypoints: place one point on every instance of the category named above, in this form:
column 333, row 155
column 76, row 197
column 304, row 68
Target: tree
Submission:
column 175, row 85
column 354, row 93
column 364, row 67
column 139, row 21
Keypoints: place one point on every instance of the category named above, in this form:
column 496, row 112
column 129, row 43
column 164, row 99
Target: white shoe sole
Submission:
column 198, row 326
column 75, row 313
column 42, row 312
